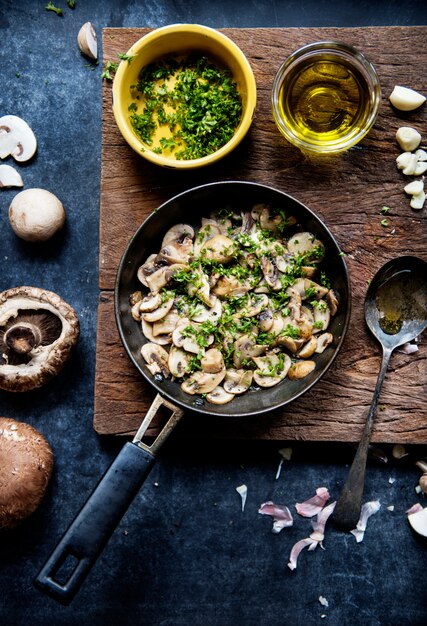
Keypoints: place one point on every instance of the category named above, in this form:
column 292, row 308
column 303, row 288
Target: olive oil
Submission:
column 324, row 100
column 402, row 297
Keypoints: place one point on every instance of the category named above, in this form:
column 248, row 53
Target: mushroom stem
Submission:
column 22, row 338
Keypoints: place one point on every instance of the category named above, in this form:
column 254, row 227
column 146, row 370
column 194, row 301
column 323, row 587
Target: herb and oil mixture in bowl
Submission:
column 187, row 107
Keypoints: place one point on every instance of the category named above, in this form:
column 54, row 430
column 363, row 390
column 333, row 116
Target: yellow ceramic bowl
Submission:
column 182, row 39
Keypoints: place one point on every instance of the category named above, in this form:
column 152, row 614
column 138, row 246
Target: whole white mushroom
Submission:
column 36, row 214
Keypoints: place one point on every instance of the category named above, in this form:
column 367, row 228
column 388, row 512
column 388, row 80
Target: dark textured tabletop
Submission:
column 184, row 553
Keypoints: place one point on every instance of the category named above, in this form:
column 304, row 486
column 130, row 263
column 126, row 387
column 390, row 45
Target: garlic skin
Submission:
column 408, row 138
column 405, row 99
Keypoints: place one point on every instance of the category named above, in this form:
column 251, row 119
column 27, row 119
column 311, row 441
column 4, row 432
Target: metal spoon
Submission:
column 395, row 312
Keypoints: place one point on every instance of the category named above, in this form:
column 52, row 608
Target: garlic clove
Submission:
column 407, row 162
column 405, row 99
column 87, row 42
column 414, row 188
column 408, row 138
column 420, row 168
column 421, row 155
column 418, row 200
column 418, row 521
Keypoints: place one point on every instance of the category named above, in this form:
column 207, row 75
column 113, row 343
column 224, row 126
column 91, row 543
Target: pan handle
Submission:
column 88, row 534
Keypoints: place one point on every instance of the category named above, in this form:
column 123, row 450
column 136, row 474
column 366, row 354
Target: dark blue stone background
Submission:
column 184, row 553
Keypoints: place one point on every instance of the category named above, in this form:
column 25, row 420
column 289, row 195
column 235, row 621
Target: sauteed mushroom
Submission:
column 233, row 302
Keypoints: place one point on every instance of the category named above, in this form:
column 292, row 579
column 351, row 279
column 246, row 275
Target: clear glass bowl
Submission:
column 325, row 97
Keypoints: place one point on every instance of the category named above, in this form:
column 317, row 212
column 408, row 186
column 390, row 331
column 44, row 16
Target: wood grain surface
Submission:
column 346, row 191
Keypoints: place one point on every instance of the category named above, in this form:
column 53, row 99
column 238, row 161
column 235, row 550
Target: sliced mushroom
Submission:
column 246, row 348
column 147, row 330
column 231, row 286
column 159, row 313
column 150, row 303
column 179, row 232
column 237, row 381
column 16, row 138
column 308, row 349
column 157, row 280
column 219, row 248
column 156, row 359
column 219, row 396
column 9, row 177
column 212, row 361
column 289, row 343
column 319, row 290
column 308, row 270
column 266, row 320
column 25, row 470
column 300, row 369
column 323, row 342
column 147, row 267
column 271, row 369
column 307, row 244
column 205, row 233
column 167, row 324
column 38, row 332
column 178, row 362
column 321, row 316
column 176, row 253
column 135, row 297
column 271, row 273
column 202, row 382
column 332, row 301
column 256, row 304
column 136, row 314
column 199, row 287
column 205, row 314
column 283, row 262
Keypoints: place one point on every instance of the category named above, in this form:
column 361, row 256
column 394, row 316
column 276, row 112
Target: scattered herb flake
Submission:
column 71, row 4
column 125, row 57
column 51, row 7
column 385, row 210
column 384, row 223
column 109, row 69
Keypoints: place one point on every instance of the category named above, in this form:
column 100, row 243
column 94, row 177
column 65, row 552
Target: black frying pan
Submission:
column 88, row 534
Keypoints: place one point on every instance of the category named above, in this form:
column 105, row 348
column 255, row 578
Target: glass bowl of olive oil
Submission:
column 325, row 97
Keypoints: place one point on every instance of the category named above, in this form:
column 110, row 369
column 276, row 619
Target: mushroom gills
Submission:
column 25, row 332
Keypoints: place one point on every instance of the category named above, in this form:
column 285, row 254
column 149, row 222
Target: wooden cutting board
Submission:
column 346, row 191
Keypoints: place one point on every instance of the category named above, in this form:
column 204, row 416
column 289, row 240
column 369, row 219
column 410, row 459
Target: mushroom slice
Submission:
column 38, row 332
column 246, row 348
column 145, row 268
column 271, row 273
column 147, row 330
column 179, row 232
column 231, row 286
column 272, row 368
column 219, row 396
column 219, row 248
column 178, row 362
column 157, row 280
column 266, row 320
column 156, row 359
column 256, row 304
column 166, row 324
column 309, row 348
column 289, row 343
column 323, row 342
column 237, row 381
column 16, row 138
column 9, row 177
column 310, row 286
column 202, row 382
column 300, row 369
column 308, row 270
column 307, row 244
column 321, row 316
column 150, row 303
column 135, row 297
column 332, row 301
column 205, row 233
column 175, row 252
column 160, row 312
column 199, row 287
column 274, row 223
column 135, row 312
column 212, row 361
column 283, row 262
column 204, row 314
column 25, row 470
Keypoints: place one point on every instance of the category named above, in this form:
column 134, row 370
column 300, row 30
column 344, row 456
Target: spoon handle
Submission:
column 347, row 510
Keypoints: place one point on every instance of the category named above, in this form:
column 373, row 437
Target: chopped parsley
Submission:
column 71, row 4
column 195, row 103
column 51, row 7
column 384, row 223
column 109, row 69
